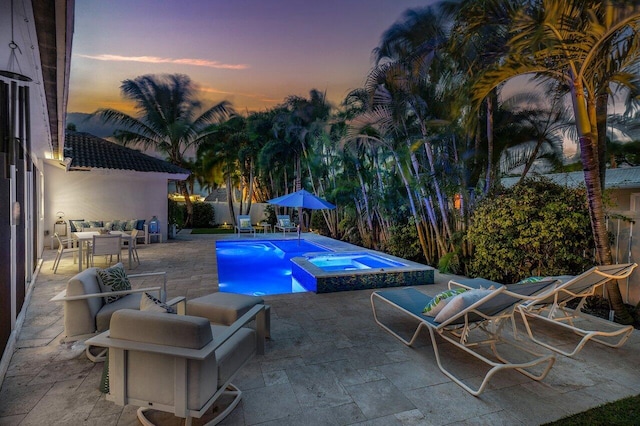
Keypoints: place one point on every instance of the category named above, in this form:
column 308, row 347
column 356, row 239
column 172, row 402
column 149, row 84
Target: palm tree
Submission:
column 165, row 120
column 585, row 46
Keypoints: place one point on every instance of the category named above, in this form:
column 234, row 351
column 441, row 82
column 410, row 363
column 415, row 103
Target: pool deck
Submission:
column 328, row 363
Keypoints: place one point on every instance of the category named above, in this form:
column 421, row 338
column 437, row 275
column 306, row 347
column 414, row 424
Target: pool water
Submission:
column 354, row 262
column 260, row 267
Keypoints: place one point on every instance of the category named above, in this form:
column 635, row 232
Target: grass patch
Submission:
column 623, row 412
column 212, row 231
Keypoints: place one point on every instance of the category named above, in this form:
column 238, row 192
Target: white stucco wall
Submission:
column 104, row 195
column 222, row 215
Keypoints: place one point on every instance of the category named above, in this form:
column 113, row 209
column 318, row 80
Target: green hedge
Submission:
column 534, row 228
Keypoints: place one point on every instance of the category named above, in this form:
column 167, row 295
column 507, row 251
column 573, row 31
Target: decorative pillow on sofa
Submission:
column 113, row 279
column 460, row 302
column 75, row 225
column 140, row 224
column 150, row 303
column 440, row 300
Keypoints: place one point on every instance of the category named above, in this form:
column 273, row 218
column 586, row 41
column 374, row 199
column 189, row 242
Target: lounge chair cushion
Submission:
column 111, row 279
column 460, row 302
column 103, row 317
column 440, row 300
column 150, row 303
column 285, row 223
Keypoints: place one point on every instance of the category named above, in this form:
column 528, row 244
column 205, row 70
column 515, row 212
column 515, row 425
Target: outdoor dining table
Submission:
column 87, row 236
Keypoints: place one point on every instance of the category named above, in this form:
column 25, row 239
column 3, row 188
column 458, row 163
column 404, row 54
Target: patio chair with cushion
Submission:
column 106, row 245
column 244, row 225
column 178, row 364
column 93, row 295
column 470, row 320
column 284, row 224
column 134, row 245
column 552, row 309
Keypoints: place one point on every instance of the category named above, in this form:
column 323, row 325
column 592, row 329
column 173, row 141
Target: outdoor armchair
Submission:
column 178, row 364
column 86, row 311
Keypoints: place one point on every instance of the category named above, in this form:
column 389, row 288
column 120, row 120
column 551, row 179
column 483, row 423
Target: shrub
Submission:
column 176, row 213
column 403, row 242
column 203, row 215
column 534, row 228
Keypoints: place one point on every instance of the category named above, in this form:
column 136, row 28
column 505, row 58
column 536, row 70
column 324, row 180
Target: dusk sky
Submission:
column 252, row 53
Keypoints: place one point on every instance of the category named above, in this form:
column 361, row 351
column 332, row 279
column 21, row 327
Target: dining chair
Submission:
column 106, row 245
column 134, row 245
column 64, row 246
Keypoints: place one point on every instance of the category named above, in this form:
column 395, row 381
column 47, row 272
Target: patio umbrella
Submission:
column 302, row 199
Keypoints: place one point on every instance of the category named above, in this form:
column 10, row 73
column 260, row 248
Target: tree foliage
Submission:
column 536, row 228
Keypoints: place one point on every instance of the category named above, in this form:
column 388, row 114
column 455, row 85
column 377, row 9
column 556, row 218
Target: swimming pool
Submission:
column 288, row 266
column 258, row 267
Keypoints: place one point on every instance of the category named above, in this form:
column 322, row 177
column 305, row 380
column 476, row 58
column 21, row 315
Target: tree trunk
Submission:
column 188, row 221
column 489, row 172
column 598, row 225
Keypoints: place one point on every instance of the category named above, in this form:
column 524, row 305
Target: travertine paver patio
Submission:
column 327, row 363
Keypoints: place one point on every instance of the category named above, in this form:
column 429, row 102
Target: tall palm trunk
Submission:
column 489, row 172
column 590, row 165
column 188, row 222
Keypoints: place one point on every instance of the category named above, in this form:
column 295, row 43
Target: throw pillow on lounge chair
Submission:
column 440, row 300
column 459, row 302
column 245, row 223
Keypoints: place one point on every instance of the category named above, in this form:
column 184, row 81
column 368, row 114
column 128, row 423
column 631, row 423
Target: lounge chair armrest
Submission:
column 62, row 296
column 180, row 304
column 473, row 283
column 238, row 324
column 153, row 274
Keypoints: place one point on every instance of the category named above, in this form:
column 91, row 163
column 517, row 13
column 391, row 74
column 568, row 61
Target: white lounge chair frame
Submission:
column 239, row 229
column 285, row 229
column 487, row 315
column 552, row 309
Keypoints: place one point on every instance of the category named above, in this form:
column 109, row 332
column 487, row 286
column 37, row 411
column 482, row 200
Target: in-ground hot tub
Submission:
column 343, row 271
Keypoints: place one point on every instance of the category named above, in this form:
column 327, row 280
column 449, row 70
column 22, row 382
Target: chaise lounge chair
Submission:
column 284, row 224
column 484, row 311
column 552, row 309
column 244, row 225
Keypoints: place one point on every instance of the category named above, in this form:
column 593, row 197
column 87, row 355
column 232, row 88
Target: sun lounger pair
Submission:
column 544, row 300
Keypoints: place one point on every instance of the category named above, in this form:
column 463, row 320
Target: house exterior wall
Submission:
column 104, row 195
column 624, row 227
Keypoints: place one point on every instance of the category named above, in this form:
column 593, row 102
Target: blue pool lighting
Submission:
column 260, row 267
